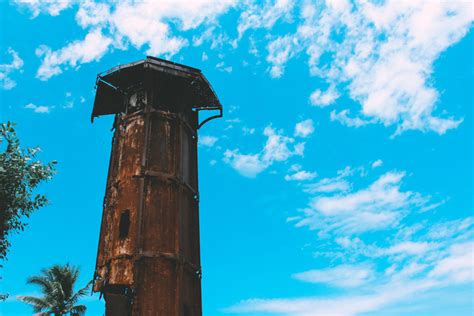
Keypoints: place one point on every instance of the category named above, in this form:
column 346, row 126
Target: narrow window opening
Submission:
column 124, row 224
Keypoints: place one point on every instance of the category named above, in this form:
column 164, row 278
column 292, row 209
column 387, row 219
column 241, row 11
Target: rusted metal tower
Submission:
column 148, row 260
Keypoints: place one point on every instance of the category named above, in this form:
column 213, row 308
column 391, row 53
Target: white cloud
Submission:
column 458, row 265
column 255, row 16
column 382, row 53
column 207, row 141
column 451, row 267
column 324, row 98
column 345, row 276
column 38, row 108
column 155, row 25
column 234, row 120
column 328, row 185
column 7, row 69
column 280, row 51
column 377, row 163
column 216, row 37
column 409, row 247
column 344, row 118
column 379, row 206
column 204, row 56
column 301, row 175
column 372, row 197
column 406, row 260
column 344, row 305
column 51, row 7
column 69, row 102
column 304, row 128
column 93, row 14
column 149, row 23
column 298, row 174
column 221, row 66
column 453, row 229
column 248, row 165
column 92, row 48
column 248, row 130
column 68, row 105
column 278, row 148
column 310, row 306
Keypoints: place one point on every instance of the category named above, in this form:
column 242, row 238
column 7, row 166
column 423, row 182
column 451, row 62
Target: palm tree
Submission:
column 57, row 285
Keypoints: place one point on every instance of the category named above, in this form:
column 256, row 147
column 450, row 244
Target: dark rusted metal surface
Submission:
column 148, row 260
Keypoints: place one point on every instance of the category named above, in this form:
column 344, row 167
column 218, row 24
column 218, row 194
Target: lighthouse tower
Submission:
column 148, row 260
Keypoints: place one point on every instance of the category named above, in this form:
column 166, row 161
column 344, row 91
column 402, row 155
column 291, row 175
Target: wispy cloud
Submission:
column 119, row 25
column 6, row 82
column 345, row 276
column 248, row 130
column 381, row 205
column 92, row 48
column 324, row 98
column 377, row 163
column 51, row 7
column 207, row 140
column 42, row 109
column 279, row 52
column 408, row 258
column 221, row 66
column 254, row 16
column 301, row 175
column 328, row 185
column 277, row 148
column 423, row 270
column 344, row 118
column 304, row 128
column 457, row 266
column 382, row 54
column 298, row 174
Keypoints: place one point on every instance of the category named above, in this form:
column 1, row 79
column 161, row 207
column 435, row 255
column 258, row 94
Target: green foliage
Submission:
column 57, row 286
column 20, row 174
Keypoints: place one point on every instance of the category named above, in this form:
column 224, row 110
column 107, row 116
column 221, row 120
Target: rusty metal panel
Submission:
column 160, row 216
column 157, row 292
column 190, row 226
column 132, row 146
column 185, row 164
column 191, row 294
column 121, row 271
column 162, row 153
column 117, row 304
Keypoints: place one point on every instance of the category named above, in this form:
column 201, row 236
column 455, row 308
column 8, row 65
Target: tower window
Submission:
column 124, row 224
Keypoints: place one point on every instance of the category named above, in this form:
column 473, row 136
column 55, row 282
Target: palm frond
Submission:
column 78, row 310
column 38, row 304
column 57, row 285
column 82, row 292
column 43, row 281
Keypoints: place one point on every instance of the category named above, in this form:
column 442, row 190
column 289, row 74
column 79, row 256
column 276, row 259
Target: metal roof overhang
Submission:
column 117, row 82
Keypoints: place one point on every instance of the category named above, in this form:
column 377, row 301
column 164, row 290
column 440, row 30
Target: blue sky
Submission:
column 339, row 181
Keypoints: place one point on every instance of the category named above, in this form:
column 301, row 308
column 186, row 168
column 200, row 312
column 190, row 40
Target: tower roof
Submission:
column 179, row 81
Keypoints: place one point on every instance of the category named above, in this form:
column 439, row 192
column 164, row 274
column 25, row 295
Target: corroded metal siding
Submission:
column 153, row 186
